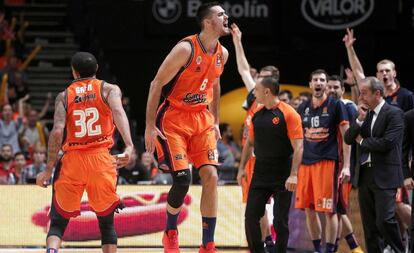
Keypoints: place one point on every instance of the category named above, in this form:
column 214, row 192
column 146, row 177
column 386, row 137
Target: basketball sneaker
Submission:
column 210, row 248
column 357, row 250
column 170, row 241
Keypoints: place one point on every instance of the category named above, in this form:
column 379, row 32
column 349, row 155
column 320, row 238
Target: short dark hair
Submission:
column 223, row 127
column 204, row 11
column 273, row 70
column 337, row 78
column 374, row 84
column 85, row 64
column 7, row 145
column 305, row 94
column 317, row 72
column 271, row 83
column 288, row 92
column 19, row 153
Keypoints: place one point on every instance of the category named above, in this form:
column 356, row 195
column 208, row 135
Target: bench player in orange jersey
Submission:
column 86, row 111
column 184, row 130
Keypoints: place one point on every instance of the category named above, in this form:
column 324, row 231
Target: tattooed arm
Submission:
column 55, row 140
column 113, row 96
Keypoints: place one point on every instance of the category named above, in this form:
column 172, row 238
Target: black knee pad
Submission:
column 181, row 183
column 107, row 228
column 58, row 223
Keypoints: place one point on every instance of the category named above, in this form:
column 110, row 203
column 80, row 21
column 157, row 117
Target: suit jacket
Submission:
column 384, row 144
column 408, row 143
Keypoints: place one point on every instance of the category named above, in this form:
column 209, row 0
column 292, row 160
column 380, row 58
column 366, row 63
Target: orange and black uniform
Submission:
column 271, row 131
column 86, row 163
column 183, row 117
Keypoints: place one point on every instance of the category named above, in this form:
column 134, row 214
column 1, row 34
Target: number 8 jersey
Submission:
column 89, row 122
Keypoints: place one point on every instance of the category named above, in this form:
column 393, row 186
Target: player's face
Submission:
column 219, row 20
column 259, row 92
column 285, row 98
column 295, row 103
column 333, row 88
column 318, row 85
column 386, row 74
column 366, row 96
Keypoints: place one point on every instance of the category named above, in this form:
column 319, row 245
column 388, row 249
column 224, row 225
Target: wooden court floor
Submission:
column 121, row 250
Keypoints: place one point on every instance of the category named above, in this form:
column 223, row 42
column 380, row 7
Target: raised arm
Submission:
column 113, row 96
column 55, row 140
column 175, row 60
column 351, row 81
column 242, row 64
column 356, row 66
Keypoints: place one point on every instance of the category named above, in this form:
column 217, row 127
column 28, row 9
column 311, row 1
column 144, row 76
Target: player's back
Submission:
column 89, row 121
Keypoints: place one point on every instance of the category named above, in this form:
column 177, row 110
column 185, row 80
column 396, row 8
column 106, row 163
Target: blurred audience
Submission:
column 9, row 128
column 28, row 174
column 19, row 164
column 229, row 153
column 7, row 172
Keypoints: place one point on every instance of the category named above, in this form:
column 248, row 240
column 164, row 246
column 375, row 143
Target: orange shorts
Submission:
column 249, row 174
column 343, row 197
column 318, row 186
column 402, row 196
column 190, row 138
column 91, row 170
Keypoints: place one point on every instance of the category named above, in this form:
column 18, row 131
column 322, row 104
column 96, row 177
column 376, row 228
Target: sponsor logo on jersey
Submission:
column 275, row 120
column 198, row 60
column 84, row 98
column 195, row 98
column 213, row 155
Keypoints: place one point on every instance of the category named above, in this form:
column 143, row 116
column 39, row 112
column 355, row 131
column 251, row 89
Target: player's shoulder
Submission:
column 225, row 52
column 184, row 46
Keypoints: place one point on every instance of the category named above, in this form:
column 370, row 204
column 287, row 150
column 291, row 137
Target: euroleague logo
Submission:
column 275, row 120
column 166, row 11
column 336, row 14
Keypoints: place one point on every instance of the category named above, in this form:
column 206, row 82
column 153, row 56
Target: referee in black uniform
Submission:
column 277, row 138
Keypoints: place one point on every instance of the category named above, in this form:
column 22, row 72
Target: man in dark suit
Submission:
column 379, row 131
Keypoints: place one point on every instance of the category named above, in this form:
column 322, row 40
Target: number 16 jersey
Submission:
column 89, row 121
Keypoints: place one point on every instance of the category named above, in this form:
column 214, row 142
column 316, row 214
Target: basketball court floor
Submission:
column 121, row 250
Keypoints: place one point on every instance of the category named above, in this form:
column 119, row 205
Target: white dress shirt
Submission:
column 377, row 109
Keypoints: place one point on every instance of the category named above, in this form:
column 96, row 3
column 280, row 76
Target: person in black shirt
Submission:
column 277, row 137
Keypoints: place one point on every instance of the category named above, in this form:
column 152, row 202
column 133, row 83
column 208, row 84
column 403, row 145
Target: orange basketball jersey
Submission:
column 89, row 122
column 192, row 87
column 248, row 121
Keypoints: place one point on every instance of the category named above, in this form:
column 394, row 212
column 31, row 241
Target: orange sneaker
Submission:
column 170, row 241
column 210, row 248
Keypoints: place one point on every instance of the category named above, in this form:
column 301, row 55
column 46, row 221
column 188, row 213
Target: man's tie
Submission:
column 364, row 155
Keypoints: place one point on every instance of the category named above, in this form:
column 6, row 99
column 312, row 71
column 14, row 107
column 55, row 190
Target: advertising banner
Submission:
column 24, row 219
column 179, row 16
